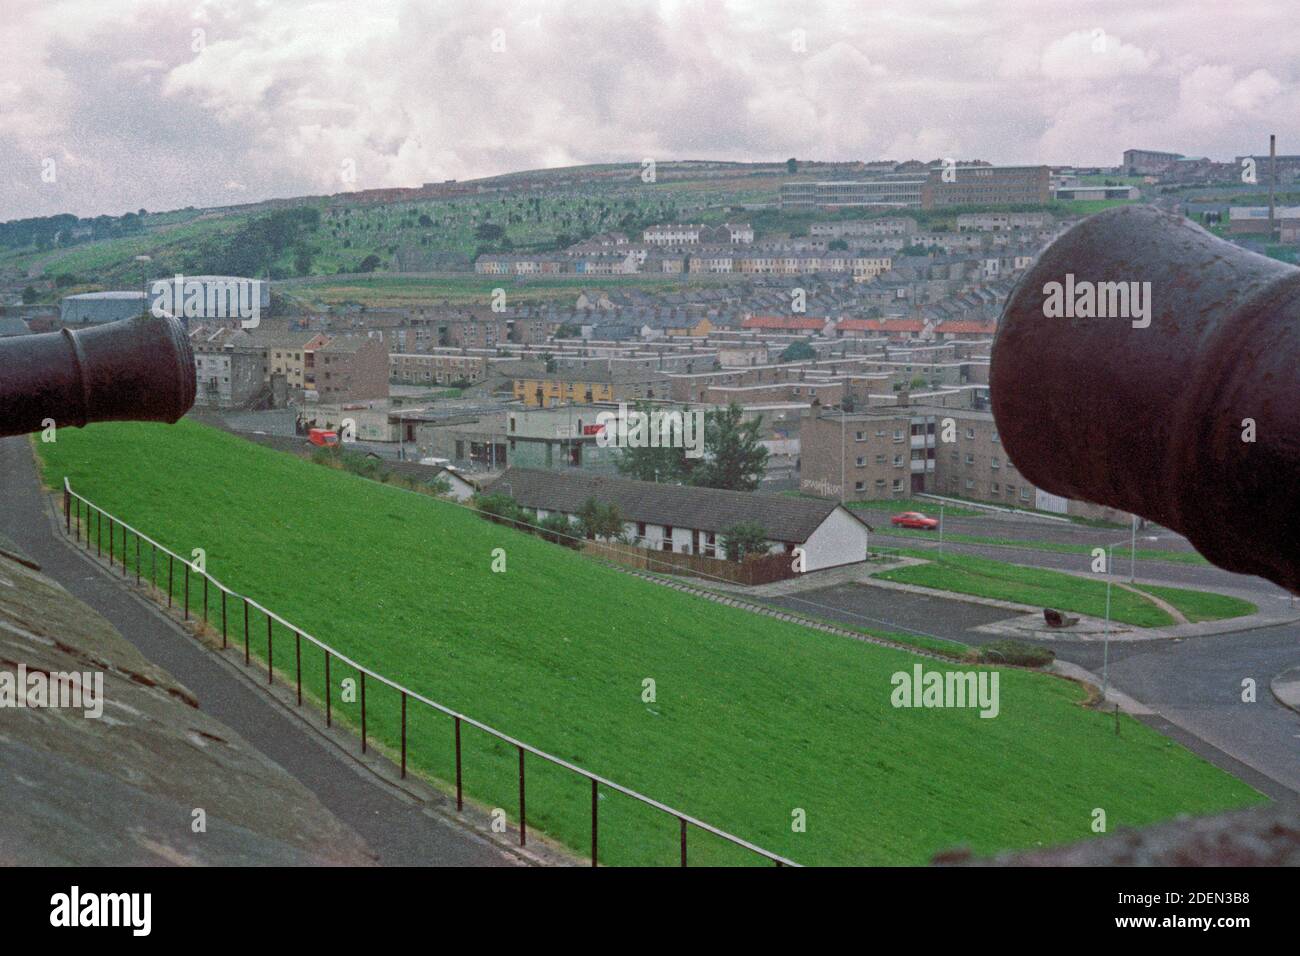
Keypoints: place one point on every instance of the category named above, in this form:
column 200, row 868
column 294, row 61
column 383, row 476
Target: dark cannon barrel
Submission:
column 138, row 369
column 1184, row 407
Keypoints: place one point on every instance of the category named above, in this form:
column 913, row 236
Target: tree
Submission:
column 744, row 539
column 792, row 165
column 369, row 264
column 734, row 457
column 557, row 529
column 799, row 351
column 838, row 245
column 599, row 521
column 302, row 260
column 29, row 295
column 669, row 465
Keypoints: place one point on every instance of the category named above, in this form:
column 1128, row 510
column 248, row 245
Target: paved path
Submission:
column 401, row 831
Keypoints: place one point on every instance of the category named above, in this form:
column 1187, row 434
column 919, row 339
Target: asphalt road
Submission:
column 399, row 830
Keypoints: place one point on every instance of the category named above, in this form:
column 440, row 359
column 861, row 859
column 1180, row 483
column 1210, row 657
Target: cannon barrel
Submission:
column 138, row 369
column 1184, row 407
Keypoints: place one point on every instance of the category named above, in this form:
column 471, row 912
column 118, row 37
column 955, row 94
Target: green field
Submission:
column 983, row 577
column 1057, row 547
column 1201, row 605
column 753, row 719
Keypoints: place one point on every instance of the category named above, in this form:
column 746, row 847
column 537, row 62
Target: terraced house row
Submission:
column 704, row 259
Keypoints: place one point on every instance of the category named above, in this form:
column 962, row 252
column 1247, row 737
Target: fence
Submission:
column 762, row 569
column 246, row 604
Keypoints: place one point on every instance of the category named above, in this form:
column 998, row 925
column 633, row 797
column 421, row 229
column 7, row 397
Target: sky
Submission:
column 109, row 106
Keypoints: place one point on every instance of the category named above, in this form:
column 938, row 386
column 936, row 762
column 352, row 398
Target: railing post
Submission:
column 223, row 619
column 403, row 735
column 110, row 543
column 78, row 537
column 363, row 710
column 187, row 588
column 67, row 508
column 99, row 533
column 125, row 573
column 270, row 666
column 205, row 599
column 460, row 795
column 171, row 571
column 137, row 561
column 595, row 798
column 297, row 662
column 245, row 632
column 683, row 823
column 329, row 692
column 523, row 820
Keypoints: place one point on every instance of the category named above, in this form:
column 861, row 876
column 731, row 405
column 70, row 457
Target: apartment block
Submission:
column 884, row 452
column 351, row 369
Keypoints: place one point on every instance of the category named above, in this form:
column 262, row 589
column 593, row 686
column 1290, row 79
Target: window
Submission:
column 668, row 538
column 859, row 436
column 640, row 529
column 970, row 483
column 898, row 484
column 970, row 460
column 880, row 459
column 862, row 462
column 970, row 433
column 898, row 461
column 860, row 486
column 994, row 464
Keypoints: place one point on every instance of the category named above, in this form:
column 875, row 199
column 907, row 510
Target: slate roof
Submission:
column 681, row 506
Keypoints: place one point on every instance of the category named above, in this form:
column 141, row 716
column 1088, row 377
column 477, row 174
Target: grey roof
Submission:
column 681, row 506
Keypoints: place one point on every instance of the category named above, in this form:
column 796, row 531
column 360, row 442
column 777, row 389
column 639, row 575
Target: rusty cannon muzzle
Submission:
column 138, row 369
column 1144, row 364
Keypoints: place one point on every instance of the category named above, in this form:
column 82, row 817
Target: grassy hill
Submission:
column 753, row 718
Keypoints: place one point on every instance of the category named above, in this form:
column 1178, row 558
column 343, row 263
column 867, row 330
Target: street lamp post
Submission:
column 1133, row 552
column 1105, row 654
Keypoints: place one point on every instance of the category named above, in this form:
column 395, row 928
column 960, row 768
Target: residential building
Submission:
column 690, row 520
column 886, row 452
column 351, row 369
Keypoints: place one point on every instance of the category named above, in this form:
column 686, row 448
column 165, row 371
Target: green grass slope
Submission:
column 753, row 719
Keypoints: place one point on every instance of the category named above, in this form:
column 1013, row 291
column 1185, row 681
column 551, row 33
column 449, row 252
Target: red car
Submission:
column 914, row 519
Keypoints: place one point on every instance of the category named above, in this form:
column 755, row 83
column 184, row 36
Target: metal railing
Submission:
column 115, row 524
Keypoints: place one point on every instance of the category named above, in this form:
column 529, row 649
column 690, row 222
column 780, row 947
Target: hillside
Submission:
column 753, row 717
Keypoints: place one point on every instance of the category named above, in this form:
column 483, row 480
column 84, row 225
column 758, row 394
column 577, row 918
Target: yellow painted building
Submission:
column 545, row 392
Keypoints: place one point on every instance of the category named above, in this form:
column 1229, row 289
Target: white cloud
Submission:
column 279, row 95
